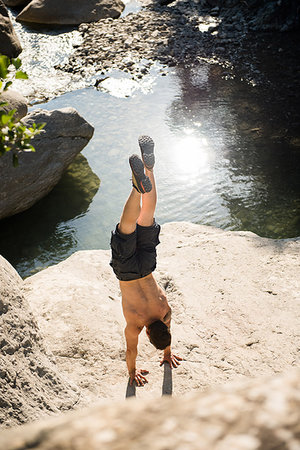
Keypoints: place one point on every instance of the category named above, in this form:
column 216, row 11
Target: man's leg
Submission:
column 147, row 230
column 149, row 199
column 131, row 212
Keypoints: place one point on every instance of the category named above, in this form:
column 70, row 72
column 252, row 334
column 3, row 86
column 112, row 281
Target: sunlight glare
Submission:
column 191, row 153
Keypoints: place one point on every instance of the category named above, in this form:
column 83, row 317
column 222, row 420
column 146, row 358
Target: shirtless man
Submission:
column 133, row 245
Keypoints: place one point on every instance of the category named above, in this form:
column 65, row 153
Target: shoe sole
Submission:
column 146, row 144
column 139, row 179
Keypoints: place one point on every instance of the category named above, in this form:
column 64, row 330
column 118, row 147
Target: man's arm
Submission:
column 171, row 359
column 131, row 334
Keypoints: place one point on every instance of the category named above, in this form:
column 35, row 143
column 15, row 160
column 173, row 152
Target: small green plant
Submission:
column 14, row 135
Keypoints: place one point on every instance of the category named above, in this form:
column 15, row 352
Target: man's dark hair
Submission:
column 159, row 335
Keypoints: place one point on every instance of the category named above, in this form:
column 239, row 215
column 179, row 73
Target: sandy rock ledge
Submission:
column 30, row 385
column 235, row 312
column 259, row 414
column 235, row 316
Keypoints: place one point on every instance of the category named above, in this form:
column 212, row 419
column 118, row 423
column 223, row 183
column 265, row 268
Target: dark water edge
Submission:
column 228, row 155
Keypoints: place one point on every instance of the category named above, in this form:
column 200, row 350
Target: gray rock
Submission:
column 30, row 385
column 14, row 100
column 259, row 414
column 70, row 12
column 9, row 42
column 14, row 3
column 66, row 134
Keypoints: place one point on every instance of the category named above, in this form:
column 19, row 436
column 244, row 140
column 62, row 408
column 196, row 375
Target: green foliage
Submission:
column 14, row 135
column 6, row 71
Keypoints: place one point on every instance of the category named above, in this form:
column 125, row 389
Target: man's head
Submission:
column 159, row 334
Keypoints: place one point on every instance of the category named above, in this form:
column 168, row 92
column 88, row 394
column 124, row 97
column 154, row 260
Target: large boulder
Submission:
column 260, row 414
column 66, row 134
column 70, row 12
column 30, row 385
column 235, row 311
column 16, row 101
column 9, row 42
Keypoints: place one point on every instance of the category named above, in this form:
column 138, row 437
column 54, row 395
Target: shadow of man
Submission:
column 167, row 386
column 131, row 389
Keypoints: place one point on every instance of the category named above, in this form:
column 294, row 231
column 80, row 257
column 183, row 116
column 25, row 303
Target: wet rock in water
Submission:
column 259, row 414
column 66, row 134
column 14, row 100
column 30, row 385
column 9, row 41
column 70, row 12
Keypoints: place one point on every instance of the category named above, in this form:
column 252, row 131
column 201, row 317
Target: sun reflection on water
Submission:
column 191, row 153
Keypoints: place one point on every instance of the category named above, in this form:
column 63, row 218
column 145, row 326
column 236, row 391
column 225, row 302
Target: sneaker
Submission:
column 140, row 181
column 147, row 149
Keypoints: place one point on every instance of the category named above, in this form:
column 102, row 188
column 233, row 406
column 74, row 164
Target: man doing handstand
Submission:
column 133, row 245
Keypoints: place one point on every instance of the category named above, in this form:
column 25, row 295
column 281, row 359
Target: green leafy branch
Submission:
column 6, row 71
column 14, row 135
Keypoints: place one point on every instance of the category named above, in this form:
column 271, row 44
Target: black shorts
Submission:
column 134, row 255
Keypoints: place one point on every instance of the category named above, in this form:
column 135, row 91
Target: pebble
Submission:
column 167, row 34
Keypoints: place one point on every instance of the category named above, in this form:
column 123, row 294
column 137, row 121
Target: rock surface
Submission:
column 66, row 134
column 70, row 12
column 259, row 414
column 9, row 42
column 235, row 312
column 181, row 33
column 14, row 100
column 30, row 385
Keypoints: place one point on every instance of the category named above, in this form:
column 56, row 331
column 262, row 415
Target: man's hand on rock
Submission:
column 172, row 360
column 139, row 378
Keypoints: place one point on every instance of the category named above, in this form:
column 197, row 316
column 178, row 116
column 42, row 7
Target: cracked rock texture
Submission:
column 259, row 414
column 235, row 312
column 65, row 134
column 30, row 385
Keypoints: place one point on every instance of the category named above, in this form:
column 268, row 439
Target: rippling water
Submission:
column 224, row 156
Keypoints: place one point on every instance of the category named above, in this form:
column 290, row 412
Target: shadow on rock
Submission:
column 130, row 390
column 167, row 387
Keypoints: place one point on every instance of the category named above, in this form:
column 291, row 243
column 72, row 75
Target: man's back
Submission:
column 143, row 301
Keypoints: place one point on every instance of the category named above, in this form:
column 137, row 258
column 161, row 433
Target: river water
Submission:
column 226, row 156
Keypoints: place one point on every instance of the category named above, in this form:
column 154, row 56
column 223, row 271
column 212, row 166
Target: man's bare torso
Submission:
column 143, row 301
